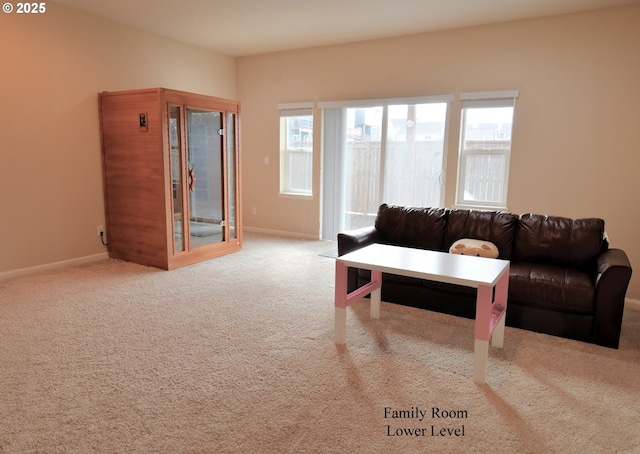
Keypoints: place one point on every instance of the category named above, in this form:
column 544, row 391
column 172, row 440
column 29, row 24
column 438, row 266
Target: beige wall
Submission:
column 576, row 140
column 52, row 68
column 576, row 143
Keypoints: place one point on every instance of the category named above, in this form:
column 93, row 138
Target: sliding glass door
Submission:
column 414, row 155
column 373, row 154
column 362, row 154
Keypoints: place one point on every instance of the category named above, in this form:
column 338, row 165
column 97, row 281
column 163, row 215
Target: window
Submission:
column 485, row 148
column 296, row 149
column 381, row 150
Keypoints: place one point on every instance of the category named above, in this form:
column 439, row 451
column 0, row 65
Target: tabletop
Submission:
column 438, row 266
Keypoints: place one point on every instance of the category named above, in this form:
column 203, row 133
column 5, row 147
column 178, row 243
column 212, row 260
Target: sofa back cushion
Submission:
column 498, row 227
column 413, row 227
column 559, row 241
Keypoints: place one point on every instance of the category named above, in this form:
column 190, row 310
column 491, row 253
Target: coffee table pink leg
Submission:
column 341, row 303
column 343, row 299
column 499, row 309
column 490, row 319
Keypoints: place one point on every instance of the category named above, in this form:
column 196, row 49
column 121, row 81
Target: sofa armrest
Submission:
column 353, row 240
column 356, row 239
column 612, row 279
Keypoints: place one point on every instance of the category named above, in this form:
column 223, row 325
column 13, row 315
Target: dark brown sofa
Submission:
column 564, row 278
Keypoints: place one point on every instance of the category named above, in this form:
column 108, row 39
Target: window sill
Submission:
column 480, row 207
column 294, row 195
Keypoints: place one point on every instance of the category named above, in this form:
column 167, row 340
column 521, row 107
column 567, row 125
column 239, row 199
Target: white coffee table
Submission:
column 478, row 272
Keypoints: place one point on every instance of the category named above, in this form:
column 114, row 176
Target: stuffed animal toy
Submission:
column 479, row 248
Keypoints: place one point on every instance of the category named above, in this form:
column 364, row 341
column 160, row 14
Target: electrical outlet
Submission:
column 100, row 230
column 253, row 210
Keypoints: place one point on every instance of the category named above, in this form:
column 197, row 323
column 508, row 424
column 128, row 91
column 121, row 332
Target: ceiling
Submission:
column 248, row 27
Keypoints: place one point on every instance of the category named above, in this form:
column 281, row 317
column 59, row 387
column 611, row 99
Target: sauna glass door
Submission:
column 231, row 173
column 205, row 176
column 175, row 147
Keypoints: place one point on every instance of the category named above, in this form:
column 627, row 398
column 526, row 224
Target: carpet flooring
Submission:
column 237, row 355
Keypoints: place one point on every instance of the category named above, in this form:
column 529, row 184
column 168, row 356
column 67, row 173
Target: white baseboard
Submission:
column 281, row 233
column 55, row 265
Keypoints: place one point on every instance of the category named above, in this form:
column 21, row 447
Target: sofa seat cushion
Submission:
column 365, row 276
column 402, row 280
column 551, row 287
column 451, row 289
